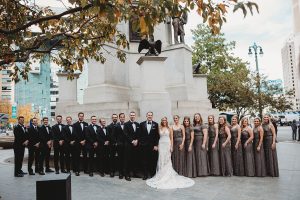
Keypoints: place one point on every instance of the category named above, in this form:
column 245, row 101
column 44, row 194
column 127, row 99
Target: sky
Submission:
column 269, row 29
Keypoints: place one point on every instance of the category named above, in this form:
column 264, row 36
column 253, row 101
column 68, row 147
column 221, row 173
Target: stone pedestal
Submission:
column 154, row 96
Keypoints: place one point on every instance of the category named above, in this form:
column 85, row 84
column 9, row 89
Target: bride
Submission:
column 166, row 177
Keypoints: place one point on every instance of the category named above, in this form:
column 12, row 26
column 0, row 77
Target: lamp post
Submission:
column 257, row 50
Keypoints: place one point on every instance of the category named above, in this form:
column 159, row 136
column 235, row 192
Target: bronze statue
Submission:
column 178, row 23
column 154, row 47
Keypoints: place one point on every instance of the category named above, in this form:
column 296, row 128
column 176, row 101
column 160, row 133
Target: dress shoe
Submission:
column 77, row 174
column 112, row 175
column 56, row 172
column 64, row 171
column 121, row 177
column 127, row 178
column 41, row 173
column 21, row 172
column 19, row 175
column 145, row 177
column 49, row 170
column 31, row 173
column 91, row 174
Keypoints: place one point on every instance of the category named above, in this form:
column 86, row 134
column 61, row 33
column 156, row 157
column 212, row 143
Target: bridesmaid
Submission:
column 213, row 154
column 270, row 147
column 236, row 148
column 247, row 137
column 200, row 148
column 178, row 157
column 190, row 162
column 258, row 149
column 225, row 151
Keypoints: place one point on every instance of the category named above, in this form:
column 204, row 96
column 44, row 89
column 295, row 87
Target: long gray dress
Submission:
column 200, row 154
column 259, row 156
column 213, row 154
column 270, row 154
column 248, row 154
column 190, row 161
column 225, row 155
column 178, row 157
column 237, row 154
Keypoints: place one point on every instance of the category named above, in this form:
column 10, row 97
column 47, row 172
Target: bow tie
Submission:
column 149, row 123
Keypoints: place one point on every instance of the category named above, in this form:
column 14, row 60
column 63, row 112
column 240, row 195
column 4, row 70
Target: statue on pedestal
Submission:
column 178, row 23
column 154, row 47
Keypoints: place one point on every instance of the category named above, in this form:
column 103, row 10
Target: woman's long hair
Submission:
column 213, row 117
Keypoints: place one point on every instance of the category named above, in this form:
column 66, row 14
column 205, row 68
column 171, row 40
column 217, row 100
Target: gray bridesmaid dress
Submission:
column 225, row 154
column 248, row 154
column 237, row 154
column 213, row 154
column 202, row 165
column 190, row 161
column 270, row 154
column 259, row 156
column 178, row 157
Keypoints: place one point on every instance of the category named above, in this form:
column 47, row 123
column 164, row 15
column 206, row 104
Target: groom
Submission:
column 149, row 137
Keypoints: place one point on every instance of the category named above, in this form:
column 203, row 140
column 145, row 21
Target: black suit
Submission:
column 44, row 137
column 147, row 143
column 33, row 151
column 21, row 136
column 104, row 150
column 131, row 152
column 80, row 132
column 91, row 138
column 117, row 148
column 59, row 150
column 72, row 149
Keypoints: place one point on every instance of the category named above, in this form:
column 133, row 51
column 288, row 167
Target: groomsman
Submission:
column 104, row 148
column 72, row 147
column 20, row 142
column 131, row 151
column 58, row 145
column 117, row 146
column 33, row 146
column 45, row 137
column 149, row 137
column 79, row 127
column 91, row 143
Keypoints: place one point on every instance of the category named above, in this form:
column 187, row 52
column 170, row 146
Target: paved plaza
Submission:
column 286, row 187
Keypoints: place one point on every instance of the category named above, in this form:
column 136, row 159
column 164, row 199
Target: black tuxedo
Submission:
column 80, row 132
column 71, row 149
column 44, row 137
column 21, row 136
column 116, row 148
column 147, row 142
column 33, row 151
column 91, row 138
column 59, row 150
column 104, row 156
column 131, row 152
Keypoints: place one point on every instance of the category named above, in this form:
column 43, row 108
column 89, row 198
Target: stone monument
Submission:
column 164, row 84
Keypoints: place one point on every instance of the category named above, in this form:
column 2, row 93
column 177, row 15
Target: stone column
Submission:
column 154, row 96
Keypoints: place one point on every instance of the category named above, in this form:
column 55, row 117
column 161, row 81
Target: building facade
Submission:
column 6, row 86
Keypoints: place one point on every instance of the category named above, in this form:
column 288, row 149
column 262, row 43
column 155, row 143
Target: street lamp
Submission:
column 257, row 50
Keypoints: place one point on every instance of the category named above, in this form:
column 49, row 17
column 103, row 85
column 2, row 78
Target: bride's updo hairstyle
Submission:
column 164, row 119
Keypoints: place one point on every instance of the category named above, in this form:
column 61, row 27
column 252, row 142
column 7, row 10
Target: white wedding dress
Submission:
column 166, row 177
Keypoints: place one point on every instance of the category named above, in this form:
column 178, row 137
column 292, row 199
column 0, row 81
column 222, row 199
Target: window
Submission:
column 6, row 80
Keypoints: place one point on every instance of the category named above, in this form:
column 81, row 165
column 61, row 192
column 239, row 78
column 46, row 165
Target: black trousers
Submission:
column 19, row 156
column 72, row 152
column 44, row 156
column 33, row 155
column 84, row 152
column 116, row 159
column 103, row 159
column 91, row 153
column 149, row 160
column 59, row 155
column 295, row 135
column 131, row 160
column 299, row 134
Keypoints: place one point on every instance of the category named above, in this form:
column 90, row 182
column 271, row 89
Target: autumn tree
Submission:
column 79, row 33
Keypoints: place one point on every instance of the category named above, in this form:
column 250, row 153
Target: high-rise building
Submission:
column 291, row 59
column 6, row 86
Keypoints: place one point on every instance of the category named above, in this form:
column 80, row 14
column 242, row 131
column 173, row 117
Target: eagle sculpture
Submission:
column 154, row 47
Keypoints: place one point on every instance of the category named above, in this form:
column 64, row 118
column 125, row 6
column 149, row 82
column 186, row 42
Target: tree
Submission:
column 25, row 111
column 79, row 33
column 6, row 108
